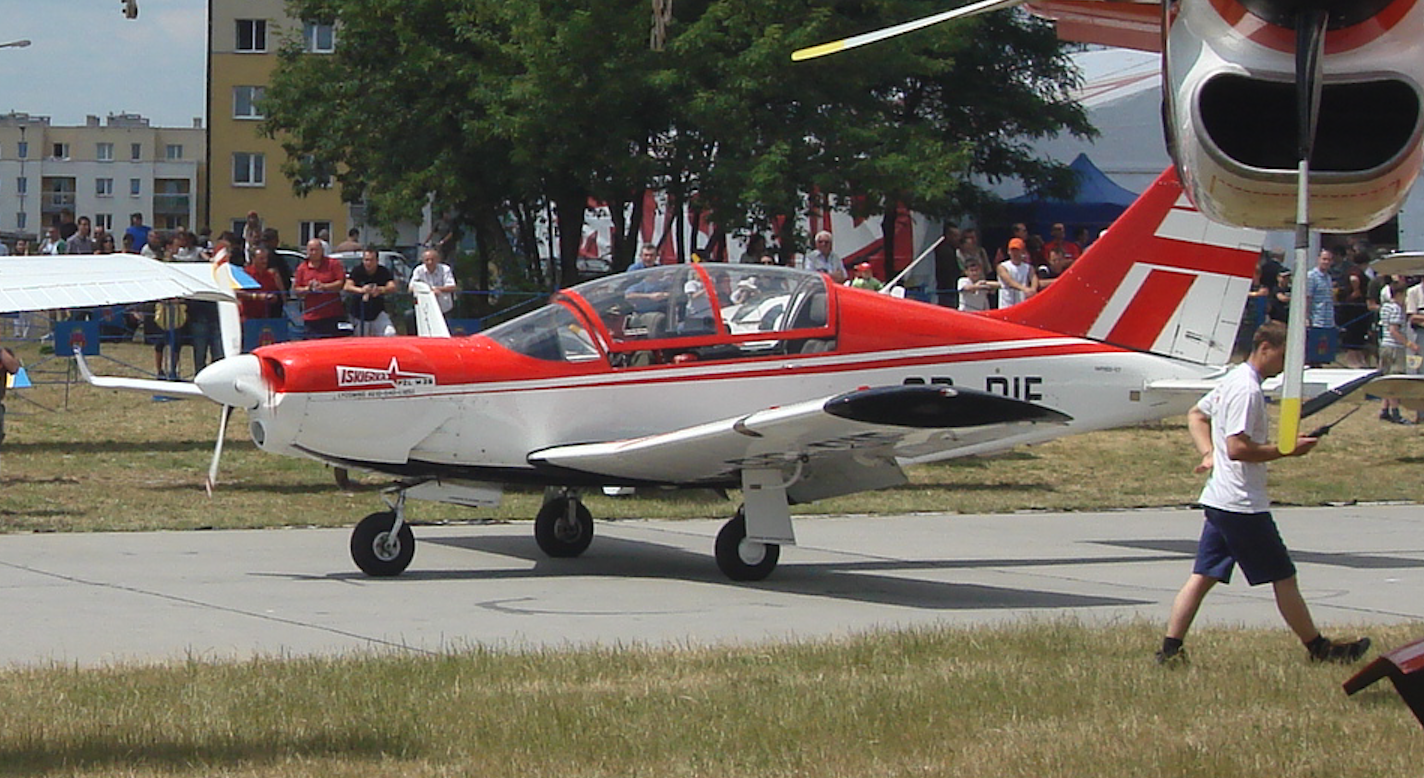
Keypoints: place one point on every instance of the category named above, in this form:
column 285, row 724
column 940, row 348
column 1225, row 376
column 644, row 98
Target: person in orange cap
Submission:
column 1017, row 279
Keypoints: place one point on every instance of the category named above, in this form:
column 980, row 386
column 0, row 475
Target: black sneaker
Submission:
column 1340, row 652
column 1177, row 658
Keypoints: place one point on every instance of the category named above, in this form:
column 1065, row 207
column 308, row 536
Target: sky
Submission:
column 86, row 59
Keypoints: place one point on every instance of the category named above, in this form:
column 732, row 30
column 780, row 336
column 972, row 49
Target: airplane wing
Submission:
column 836, row 445
column 89, row 281
column 1125, row 24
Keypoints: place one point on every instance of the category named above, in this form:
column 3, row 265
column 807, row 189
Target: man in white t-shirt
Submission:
column 1232, row 433
column 440, row 277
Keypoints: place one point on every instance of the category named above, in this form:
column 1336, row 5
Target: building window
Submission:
column 135, row 187
column 173, row 151
column 104, row 220
column 308, row 230
column 104, row 152
column 135, row 151
column 314, row 174
column 248, row 169
column 20, row 221
column 252, row 35
column 61, row 151
column 22, row 150
column 244, row 102
column 320, row 37
column 22, row 186
column 103, row 187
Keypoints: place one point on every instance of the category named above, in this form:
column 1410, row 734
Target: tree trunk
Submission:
column 571, row 207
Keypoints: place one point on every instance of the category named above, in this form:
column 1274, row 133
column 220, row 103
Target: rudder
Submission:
column 1162, row 279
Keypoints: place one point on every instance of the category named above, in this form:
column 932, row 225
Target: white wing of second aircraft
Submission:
column 90, row 281
column 837, row 445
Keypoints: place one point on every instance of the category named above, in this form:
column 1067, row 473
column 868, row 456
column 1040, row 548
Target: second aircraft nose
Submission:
column 235, row 381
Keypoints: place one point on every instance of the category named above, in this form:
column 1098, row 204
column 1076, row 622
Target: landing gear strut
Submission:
column 564, row 527
column 382, row 544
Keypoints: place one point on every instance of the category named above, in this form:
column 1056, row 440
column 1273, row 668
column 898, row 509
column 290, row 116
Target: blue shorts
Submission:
column 1248, row 539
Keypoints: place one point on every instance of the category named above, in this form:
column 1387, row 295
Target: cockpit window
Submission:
column 552, row 333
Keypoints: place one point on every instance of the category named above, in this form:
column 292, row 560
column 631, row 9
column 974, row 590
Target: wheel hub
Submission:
column 386, row 546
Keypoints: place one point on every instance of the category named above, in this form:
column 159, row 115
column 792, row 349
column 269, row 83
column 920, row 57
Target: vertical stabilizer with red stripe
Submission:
column 1162, row 279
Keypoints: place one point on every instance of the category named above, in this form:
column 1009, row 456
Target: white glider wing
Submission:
column 828, row 447
column 89, row 281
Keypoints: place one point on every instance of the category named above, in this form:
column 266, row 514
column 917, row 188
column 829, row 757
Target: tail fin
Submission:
column 1162, row 279
column 429, row 322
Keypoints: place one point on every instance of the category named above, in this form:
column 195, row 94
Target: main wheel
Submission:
column 741, row 559
column 376, row 551
column 561, row 535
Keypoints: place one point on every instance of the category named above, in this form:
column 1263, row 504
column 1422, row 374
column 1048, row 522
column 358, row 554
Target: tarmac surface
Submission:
column 94, row 599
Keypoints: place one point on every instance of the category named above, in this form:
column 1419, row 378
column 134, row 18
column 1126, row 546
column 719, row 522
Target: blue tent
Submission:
column 1098, row 203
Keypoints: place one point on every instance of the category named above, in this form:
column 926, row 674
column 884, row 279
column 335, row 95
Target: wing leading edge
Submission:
column 830, row 446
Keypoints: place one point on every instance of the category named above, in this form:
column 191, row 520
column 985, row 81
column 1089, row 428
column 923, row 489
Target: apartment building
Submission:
column 105, row 170
column 245, row 36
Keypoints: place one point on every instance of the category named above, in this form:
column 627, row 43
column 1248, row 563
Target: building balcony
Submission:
column 172, row 203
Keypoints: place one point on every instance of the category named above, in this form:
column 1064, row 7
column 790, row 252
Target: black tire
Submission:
column 556, row 536
column 368, row 546
column 743, row 560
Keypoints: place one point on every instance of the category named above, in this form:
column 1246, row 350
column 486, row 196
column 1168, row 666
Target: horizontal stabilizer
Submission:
column 1407, row 389
column 1322, row 385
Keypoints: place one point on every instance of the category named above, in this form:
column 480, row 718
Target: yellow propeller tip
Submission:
column 817, row 51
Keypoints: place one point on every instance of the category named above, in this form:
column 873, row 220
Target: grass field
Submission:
column 1038, row 698
column 1032, row 700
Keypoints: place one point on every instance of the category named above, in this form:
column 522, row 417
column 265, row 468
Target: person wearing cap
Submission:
column 1017, row 279
column 823, row 260
column 865, row 279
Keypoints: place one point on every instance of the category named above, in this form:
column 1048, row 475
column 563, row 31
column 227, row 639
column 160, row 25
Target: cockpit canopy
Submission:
column 679, row 313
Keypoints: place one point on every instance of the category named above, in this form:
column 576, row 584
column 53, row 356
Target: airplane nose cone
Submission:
column 235, row 381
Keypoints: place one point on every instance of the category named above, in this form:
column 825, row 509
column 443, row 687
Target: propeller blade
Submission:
column 1309, row 61
column 875, row 36
column 223, row 416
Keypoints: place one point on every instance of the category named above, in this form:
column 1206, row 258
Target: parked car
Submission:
column 393, row 261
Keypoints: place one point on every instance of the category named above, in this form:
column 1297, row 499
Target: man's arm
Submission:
column 1241, row 448
column 8, row 361
column 1199, row 427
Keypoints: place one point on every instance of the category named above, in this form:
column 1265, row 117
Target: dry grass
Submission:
column 106, row 460
column 1043, row 699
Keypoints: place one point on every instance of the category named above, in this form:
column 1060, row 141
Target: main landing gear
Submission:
column 564, row 527
column 741, row 559
column 747, row 548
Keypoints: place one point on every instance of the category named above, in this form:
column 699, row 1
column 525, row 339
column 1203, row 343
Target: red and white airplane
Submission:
column 660, row 377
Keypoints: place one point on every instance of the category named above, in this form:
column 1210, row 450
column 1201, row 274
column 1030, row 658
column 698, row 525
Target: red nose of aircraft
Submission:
column 235, row 381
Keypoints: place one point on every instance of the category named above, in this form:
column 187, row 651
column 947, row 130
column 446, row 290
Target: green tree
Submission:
column 490, row 108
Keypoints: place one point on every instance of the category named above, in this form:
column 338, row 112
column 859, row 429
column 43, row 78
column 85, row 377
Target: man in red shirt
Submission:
column 1060, row 240
column 318, row 283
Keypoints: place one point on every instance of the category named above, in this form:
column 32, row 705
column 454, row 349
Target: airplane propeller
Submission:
column 1311, row 25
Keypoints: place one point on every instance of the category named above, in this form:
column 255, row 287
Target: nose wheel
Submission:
column 382, row 545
